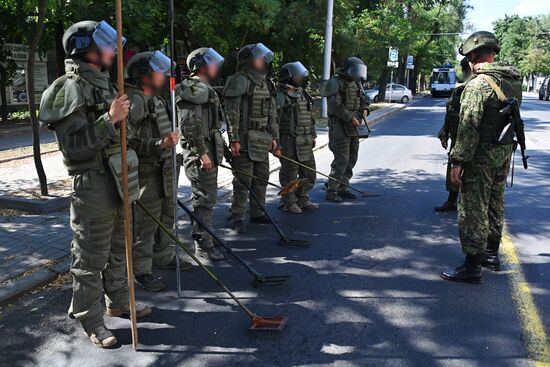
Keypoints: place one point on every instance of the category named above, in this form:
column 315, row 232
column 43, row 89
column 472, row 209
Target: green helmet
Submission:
column 355, row 68
column 477, row 40
column 203, row 56
column 89, row 35
column 253, row 51
column 147, row 62
column 291, row 70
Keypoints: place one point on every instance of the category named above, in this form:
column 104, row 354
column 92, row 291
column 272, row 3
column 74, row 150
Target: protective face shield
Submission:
column 297, row 69
column 357, row 72
column 159, row 62
column 105, row 36
column 211, row 56
column 260, row 50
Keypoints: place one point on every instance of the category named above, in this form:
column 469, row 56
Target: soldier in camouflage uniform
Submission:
column 448, row 130
column 199, row 116
column 252, row 128
column 345, row 104
column 480, row 161
column 80, row 107
column 153, row 140
column 297, row 135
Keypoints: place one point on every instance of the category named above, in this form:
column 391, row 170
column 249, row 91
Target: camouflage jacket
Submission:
column 479, row 107
column 452, row 114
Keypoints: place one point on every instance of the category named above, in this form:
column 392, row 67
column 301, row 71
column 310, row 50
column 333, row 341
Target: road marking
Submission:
column 538, row 344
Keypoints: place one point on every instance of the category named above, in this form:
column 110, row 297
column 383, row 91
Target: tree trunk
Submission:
column 3, row 97
column 35, row 40
column 59, row 50
column 382, row 81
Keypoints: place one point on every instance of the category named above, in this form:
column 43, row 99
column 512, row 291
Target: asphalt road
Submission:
column 366, row 293
column 13, row 141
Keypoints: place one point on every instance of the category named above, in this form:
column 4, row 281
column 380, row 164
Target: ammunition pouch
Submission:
column 259, row 144
column 304, row 146
column 115, row 164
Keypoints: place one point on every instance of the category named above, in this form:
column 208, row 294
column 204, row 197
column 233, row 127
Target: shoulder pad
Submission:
column 280, row 99
column 193, row 91
column 236, row 85
column 330, row 87
column 62, row 98
column 139, row 106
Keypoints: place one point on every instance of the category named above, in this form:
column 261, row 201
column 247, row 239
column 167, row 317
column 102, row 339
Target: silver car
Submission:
column 396, row 92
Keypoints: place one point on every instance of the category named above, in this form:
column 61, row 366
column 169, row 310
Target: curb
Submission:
column 19, row 157
column 14, row 288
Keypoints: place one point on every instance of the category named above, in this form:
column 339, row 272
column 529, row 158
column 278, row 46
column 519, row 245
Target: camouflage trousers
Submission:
column 240, row 189
column 481, row 204
column 346, row 151
column 291, row 171
column 164, row 246
column 152, row 195
column 204, row 186
column 98, row 247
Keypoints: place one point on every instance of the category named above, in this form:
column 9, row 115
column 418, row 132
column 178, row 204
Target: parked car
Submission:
column 544, row 90
column 397, row 92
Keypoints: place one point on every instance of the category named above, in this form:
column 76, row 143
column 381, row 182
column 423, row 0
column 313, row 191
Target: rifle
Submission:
column 514, row 126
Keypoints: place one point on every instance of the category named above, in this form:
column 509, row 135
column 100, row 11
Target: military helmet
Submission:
column 203, row 56
column 254, row 51
column 355, row 68
column 144, row 63
column 477, row 40
column 89, row 35
column 292, row 69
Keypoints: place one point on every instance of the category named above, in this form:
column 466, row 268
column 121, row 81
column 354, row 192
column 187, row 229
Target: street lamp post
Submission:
column 327, row 52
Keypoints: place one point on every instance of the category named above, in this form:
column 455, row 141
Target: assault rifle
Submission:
column 514, row 126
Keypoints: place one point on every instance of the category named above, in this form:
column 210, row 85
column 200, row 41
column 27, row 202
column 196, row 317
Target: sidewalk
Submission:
column 36, row 248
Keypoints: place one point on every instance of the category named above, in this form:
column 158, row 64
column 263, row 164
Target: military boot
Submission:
column 308, row 205
column 449, row 205
column 100, row 336
column 184, row 265
column 150, row 283
column 141, row 311
column 490, row 259
column 470, row 272
column 333, row 197
column 209, row 253
column 294, row 209
column 239, row 226
column 346, row 194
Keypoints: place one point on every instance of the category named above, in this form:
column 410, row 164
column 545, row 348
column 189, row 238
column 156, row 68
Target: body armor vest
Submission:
column 297, row 115
column 352, row 99
column 162, row 120
column 259, row 106
column 493, row 122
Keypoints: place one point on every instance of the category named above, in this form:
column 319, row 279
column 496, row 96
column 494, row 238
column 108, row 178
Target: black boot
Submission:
column 490, row 259
column 262, row 219
column 470, row 272
column 149, row 283
column 449, row 205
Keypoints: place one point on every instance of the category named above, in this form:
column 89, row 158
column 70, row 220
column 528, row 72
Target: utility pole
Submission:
column 327, row 52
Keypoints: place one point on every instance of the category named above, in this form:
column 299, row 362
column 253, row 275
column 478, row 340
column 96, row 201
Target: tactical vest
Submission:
column 159, row 113
column 97, row 102
column 297, row 115
column 352, row 96
column 493, row 122
column 452, row 115
column 258, row 100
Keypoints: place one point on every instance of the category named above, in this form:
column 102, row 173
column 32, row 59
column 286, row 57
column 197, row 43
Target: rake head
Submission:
column 273, row 323
column 265, row 281
column 292, row 186
column 287, row 242
column 369, row 194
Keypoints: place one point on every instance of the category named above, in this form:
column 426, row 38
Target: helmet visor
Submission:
column 211, row 56
column 260, row 50
column 159, row 62
column 105, row 36
column 298, row 69
column 358, row 71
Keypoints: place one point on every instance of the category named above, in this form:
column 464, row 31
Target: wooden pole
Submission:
column 126, row 202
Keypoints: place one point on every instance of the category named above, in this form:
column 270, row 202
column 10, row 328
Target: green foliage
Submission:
column 525, row 43
column 20, row 115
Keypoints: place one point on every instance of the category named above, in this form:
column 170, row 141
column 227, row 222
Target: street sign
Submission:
column 393, row 64
column 410, row 60
column 410, row 66
column 393, row 54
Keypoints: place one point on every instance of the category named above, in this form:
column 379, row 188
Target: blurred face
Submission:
column 298, row 80
column 259, row 64
column 158, row 79
column 105, row 57
column 212, row 71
